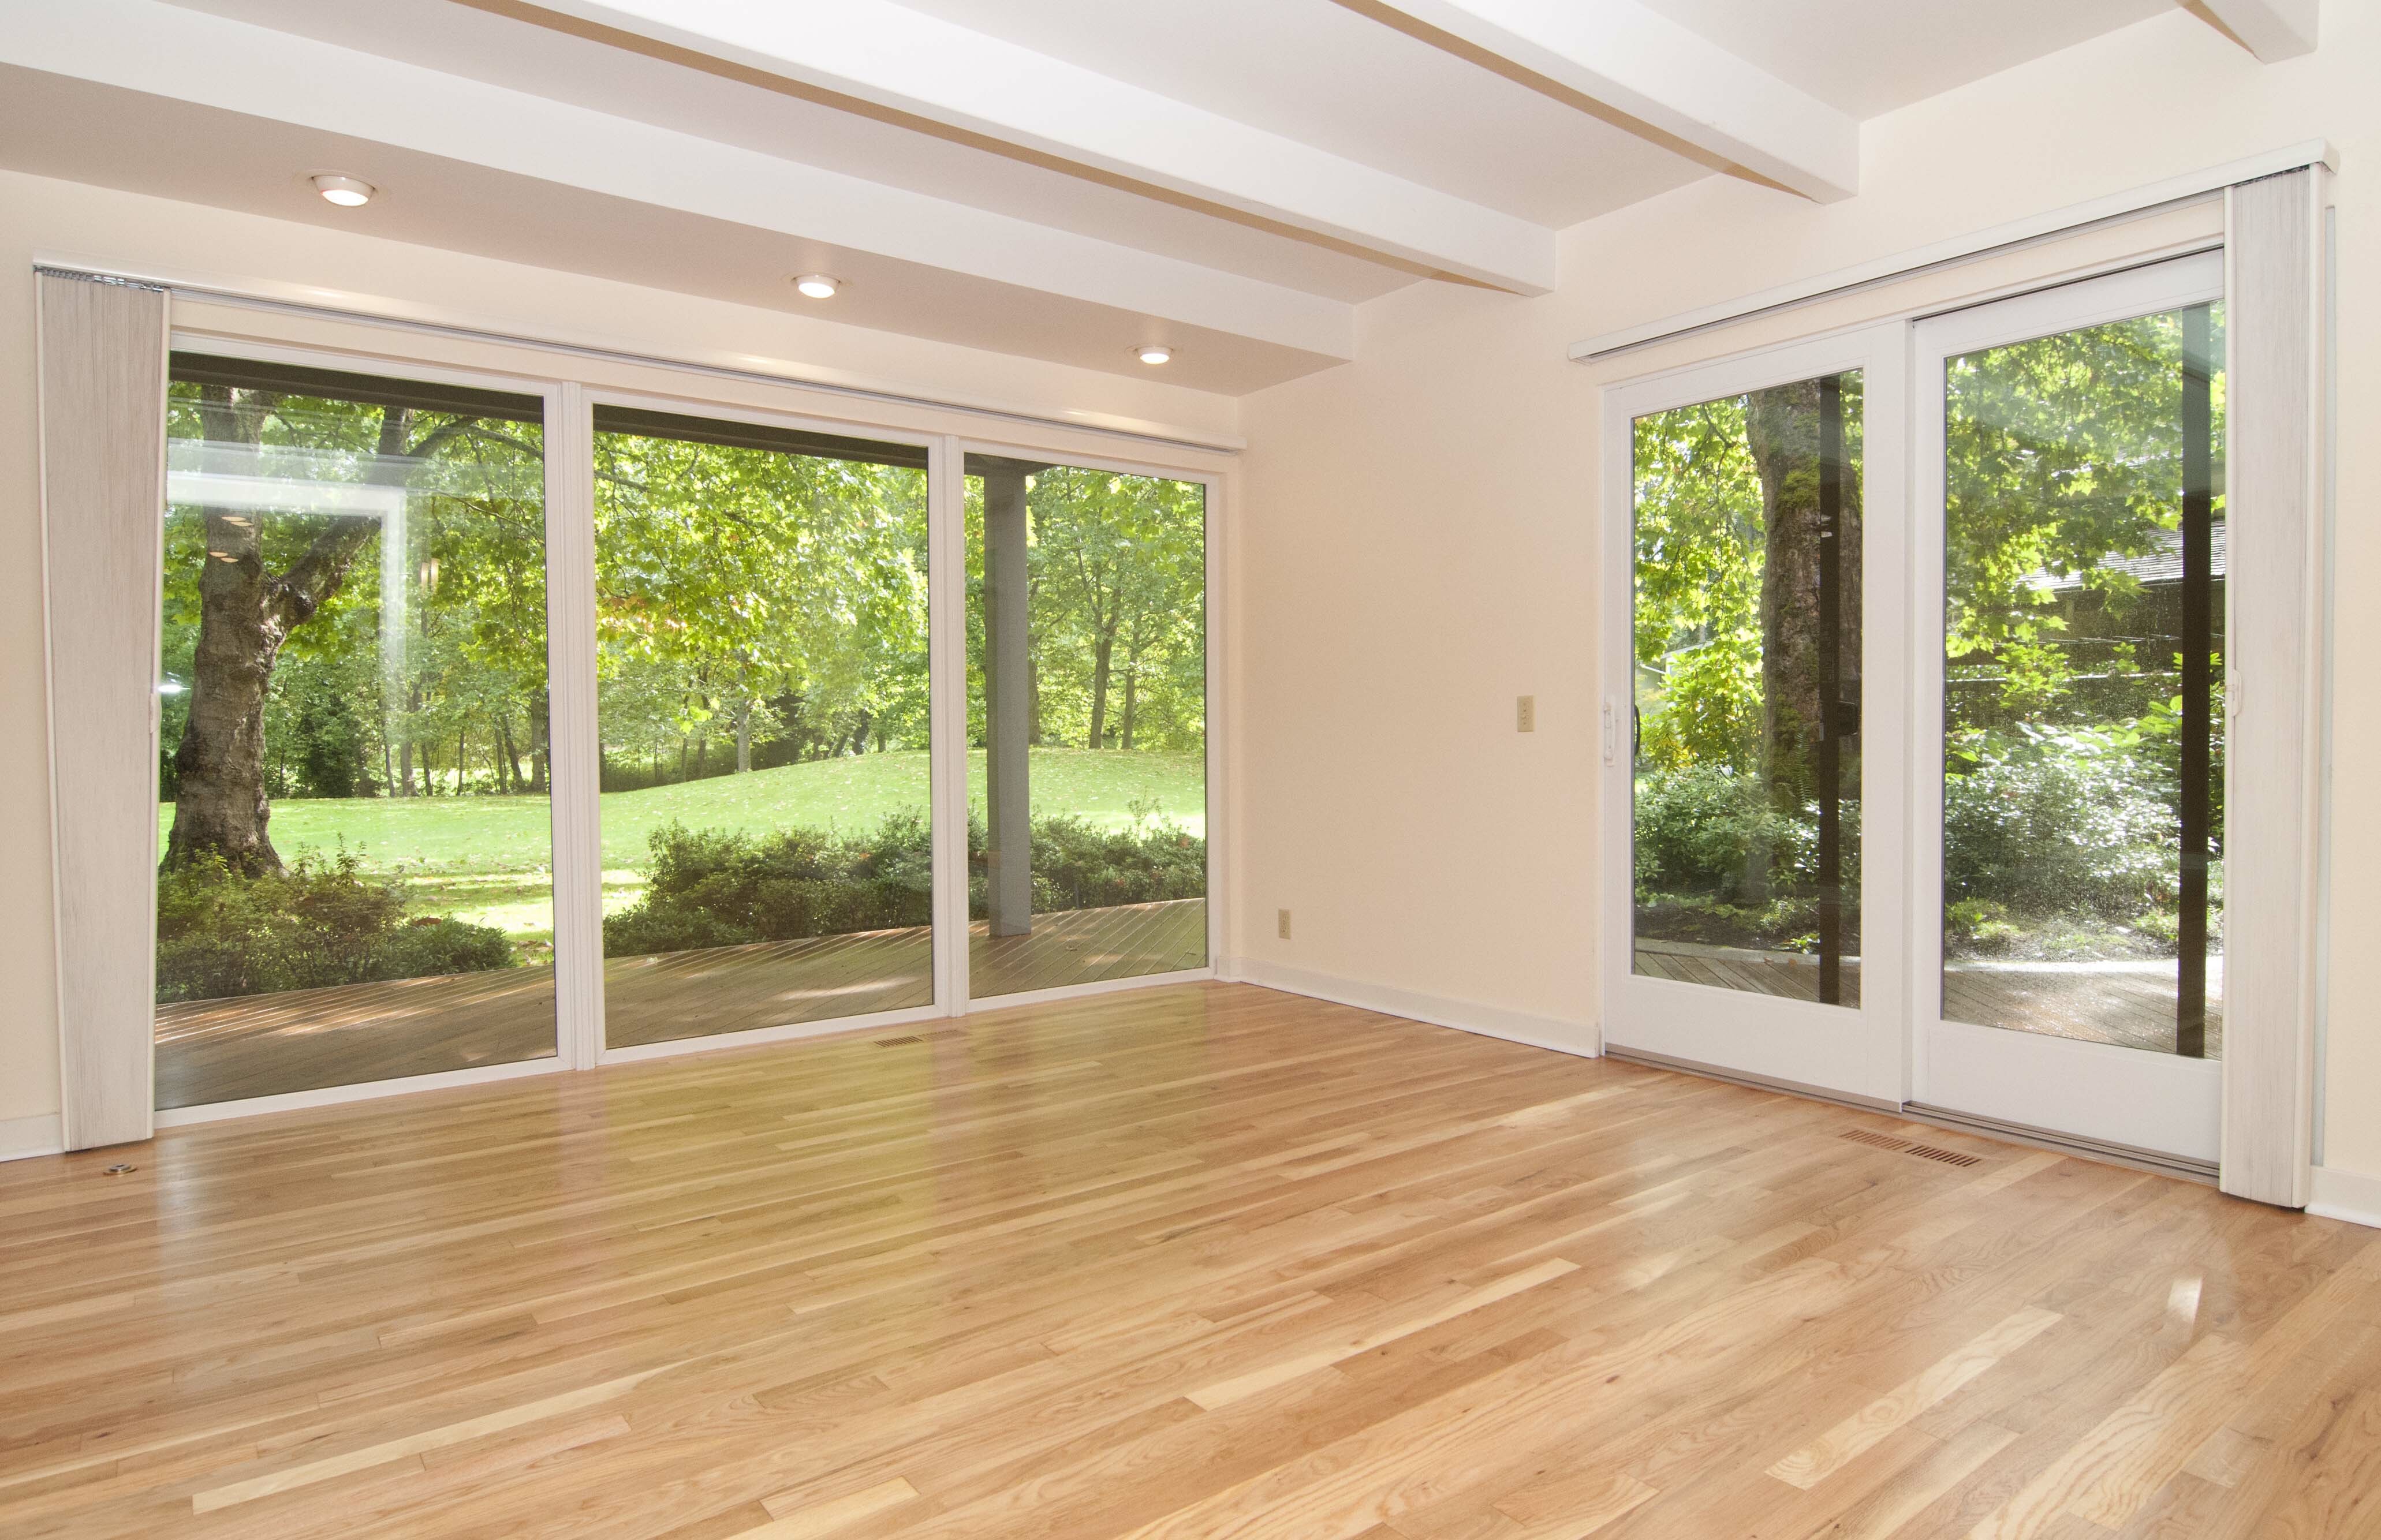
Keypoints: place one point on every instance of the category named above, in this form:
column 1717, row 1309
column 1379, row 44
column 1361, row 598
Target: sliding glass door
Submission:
column 762, row 715
column 2073, row 475
column 1087, row 721
column 1745, row 722
column 357, row 881
column 1737, row 739
column 388, row 702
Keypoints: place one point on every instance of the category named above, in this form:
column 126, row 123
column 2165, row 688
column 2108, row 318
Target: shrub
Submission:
column 434, row 944
column 1980, row 924
column 2048, row 824
column 1696, row 825
column 710, row 888
column 713, row 888
column 1077, row 865
column 319, row 922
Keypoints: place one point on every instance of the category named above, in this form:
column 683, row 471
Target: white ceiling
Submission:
column 1061, row 179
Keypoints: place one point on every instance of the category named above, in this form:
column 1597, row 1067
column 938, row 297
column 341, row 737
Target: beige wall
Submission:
column 54, row 221
column 1419, row 544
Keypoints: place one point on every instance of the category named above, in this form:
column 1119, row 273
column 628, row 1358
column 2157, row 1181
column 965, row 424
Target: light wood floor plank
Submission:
column 1201, row 1260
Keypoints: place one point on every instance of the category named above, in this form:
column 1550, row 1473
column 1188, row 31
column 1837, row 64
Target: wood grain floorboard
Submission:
column 1194, row 1261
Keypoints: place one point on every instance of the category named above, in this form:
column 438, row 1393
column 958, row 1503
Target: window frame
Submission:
column 947, row 434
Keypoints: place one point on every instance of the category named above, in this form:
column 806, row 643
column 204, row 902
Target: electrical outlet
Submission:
column 1525, row 713
column 1285, row 925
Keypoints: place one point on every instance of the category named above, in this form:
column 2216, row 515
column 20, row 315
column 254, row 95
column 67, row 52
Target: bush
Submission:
column 2047, row 825
column 1696, row 825
column 710, row 887
column 713, row 888
column 1079, row 867
column 316, row 923
column 1979, row 924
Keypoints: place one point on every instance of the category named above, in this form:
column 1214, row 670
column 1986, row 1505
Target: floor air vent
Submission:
column 1881, row 1140
column 898, row 1042
column 1948, row 1157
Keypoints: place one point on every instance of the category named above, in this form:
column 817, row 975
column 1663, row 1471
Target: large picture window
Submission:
column 357, row 881
column 761, row 604
column 452, row 781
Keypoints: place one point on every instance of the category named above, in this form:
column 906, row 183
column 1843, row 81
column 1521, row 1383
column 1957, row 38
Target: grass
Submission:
column 488, row 858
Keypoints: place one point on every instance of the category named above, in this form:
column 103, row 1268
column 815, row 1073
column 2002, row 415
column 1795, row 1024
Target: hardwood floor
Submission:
column 1197, row 1261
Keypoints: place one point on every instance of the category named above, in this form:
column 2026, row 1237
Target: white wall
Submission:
column 1418, row 547
column 68, row 222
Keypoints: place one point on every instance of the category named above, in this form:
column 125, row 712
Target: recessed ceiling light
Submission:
column 1155, row 352
column 817, row 285
column 348, row 192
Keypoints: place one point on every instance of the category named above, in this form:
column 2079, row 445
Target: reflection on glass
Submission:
column 1087, row 725
column 2084, row 772
column 357, row 881
column 762, row 702
column 1747, row 692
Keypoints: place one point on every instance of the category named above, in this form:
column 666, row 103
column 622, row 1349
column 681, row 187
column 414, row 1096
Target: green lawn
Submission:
column 487, row 858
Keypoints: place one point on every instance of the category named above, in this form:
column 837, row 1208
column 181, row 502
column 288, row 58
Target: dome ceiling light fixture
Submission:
column 1153, row 352
column 818, row 285
column 348, row 192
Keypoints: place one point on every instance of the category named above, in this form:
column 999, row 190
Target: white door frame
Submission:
column 1851, row 1052
column 2131, row 1099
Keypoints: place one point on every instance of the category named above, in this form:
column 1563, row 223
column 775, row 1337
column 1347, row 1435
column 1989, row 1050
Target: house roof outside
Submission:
column 2153, row 568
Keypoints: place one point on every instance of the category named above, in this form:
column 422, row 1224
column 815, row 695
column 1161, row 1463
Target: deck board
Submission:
column 268, row 1045
column 2129, row 1006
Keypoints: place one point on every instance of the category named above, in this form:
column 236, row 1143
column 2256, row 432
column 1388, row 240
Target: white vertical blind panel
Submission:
column 570, row 648
column 103, row 431
column 2273, row 693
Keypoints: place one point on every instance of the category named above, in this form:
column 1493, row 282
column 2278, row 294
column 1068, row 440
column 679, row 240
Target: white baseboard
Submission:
column 22, row 1138
column 2350, row 1195
column 1578, row 1039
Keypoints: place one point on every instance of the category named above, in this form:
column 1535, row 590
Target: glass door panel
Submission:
column 761, row 706
column 358, row 877
column 1087, row 725
column 2082, row 700
column 2072, row 558
column 1746, row 691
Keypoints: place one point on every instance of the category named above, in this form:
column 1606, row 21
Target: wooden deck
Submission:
column 2127, row 1004
column 1204, row 1262
column 266, row 1045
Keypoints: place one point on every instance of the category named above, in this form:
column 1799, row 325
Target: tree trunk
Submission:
column 744, row 735
column 245, row 615
column 1131, row 680
column 538, row 751
column 1782, row 429
column 1102, row 651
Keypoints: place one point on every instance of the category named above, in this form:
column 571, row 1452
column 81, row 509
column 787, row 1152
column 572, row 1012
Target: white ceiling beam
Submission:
column 891, row 57
column 1643, row 65
column 2272, row 30
column 168, row 50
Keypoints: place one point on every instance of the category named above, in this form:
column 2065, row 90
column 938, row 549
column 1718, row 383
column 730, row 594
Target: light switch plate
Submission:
column 1525, row 713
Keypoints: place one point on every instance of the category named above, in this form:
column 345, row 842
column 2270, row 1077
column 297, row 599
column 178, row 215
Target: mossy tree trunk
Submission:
column 246, row 613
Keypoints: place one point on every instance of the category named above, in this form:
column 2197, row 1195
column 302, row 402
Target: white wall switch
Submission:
column 1285, row 925
column 1525, row 713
